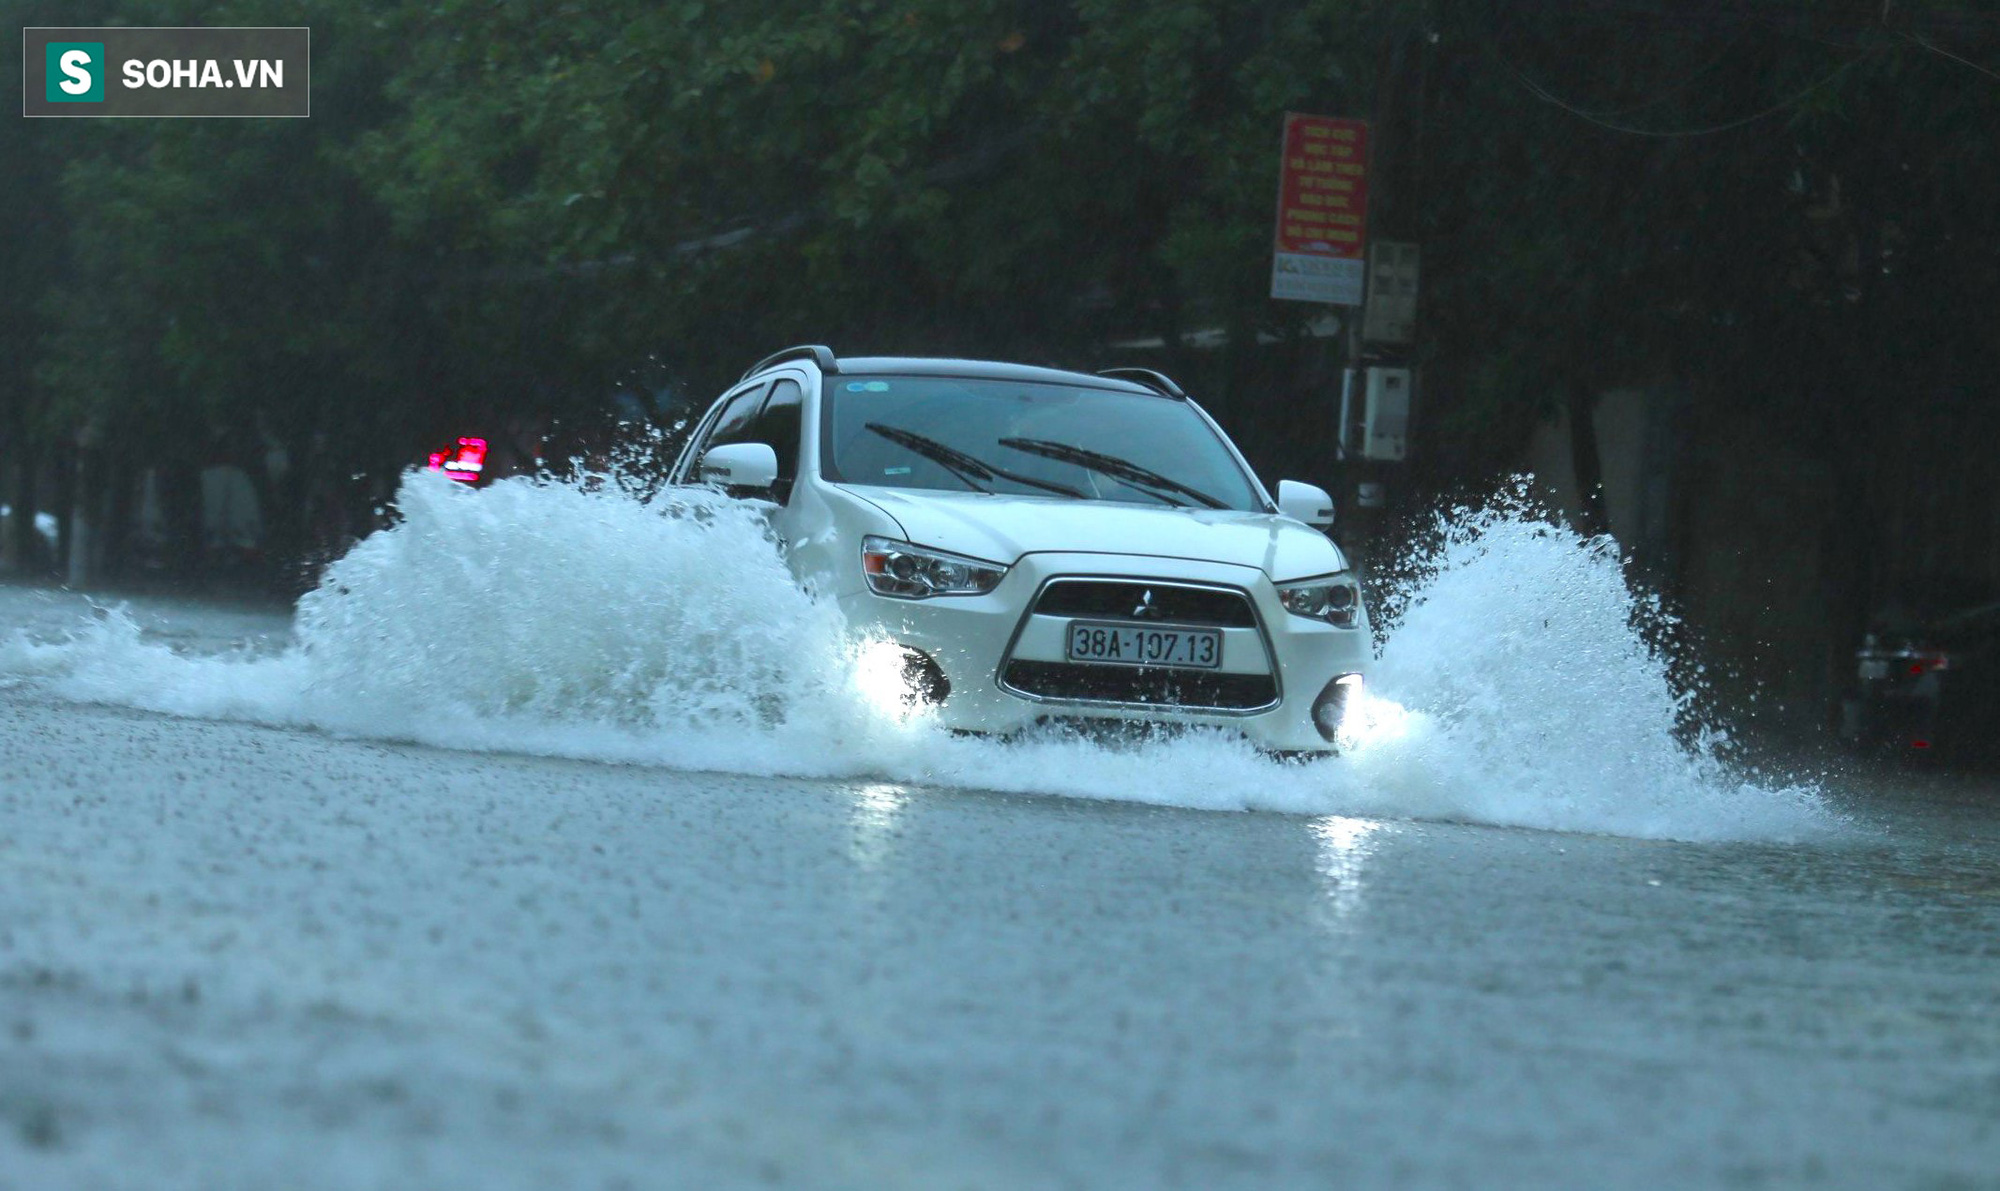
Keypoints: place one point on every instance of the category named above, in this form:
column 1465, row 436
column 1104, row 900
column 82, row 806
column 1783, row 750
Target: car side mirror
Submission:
column 741, row 466
column 1305, row 503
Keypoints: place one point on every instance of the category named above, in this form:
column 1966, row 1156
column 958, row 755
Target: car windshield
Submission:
column 1027, row 439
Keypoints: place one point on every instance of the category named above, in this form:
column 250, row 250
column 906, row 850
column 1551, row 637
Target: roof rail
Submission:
column 820, row 355
column 1159, row 382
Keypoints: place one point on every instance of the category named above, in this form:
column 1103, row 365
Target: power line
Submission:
column 1544, row 94
column 1782, row 15
column 1938, row 49
column 1679, row 88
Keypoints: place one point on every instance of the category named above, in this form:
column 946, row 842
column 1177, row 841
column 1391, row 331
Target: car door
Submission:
column 778, row 423
column 773, row 411
column 726, row 420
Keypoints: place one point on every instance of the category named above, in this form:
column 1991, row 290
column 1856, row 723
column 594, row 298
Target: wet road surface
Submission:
column 241, row 956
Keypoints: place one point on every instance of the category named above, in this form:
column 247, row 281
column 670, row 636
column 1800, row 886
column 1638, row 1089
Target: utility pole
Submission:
column 84, row 507
column 1379, row 383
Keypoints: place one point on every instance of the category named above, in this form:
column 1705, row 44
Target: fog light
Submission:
column 1330, row 709
column 924, row 677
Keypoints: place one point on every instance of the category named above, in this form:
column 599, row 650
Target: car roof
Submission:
column 983, row 370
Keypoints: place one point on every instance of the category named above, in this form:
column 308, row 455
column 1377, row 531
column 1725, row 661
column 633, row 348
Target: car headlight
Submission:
column 1335, row 599
column 909, row 572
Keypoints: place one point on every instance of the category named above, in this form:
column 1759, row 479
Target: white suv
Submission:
column 1047, row 544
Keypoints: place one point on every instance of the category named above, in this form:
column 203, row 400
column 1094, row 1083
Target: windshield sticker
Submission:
column 868, row 386
column 895, row 471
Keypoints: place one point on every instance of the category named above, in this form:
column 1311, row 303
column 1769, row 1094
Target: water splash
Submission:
column 1524, row 668
column 583, row 620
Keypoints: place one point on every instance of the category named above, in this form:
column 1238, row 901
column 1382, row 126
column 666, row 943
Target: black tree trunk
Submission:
column 1585, row 463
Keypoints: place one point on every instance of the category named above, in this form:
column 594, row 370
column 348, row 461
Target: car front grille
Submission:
column 1122, row 599
column 1141, row 685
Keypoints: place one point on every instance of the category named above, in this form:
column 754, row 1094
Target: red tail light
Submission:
column 463, row 463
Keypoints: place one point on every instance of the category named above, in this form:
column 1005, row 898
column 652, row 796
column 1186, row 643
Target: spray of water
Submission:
column 587, row 620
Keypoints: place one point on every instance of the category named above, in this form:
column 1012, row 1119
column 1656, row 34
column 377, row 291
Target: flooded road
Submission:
column 242, row 956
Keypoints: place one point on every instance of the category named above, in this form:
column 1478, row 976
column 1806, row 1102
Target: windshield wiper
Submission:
column 969, row 469
column 1123, row 470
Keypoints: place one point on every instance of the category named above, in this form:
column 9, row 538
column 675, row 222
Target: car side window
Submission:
column 779, row 424
column 727, row 427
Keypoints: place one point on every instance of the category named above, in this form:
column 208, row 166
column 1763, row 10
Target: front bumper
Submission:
column 1007, row 669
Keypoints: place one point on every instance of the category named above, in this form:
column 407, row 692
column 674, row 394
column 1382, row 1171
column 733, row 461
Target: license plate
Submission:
column 1124, row 645
column 1874, row 668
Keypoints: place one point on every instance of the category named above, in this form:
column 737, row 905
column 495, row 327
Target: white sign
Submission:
column 1304, row 278
column 1391, row 316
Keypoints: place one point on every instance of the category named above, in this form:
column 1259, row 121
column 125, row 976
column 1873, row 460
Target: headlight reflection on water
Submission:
column 877, row 808
column 1345, row 845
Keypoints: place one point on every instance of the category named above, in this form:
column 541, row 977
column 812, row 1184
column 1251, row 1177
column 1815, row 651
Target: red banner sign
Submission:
column 1322, row 233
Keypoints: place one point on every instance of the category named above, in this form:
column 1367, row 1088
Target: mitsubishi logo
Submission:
column 1145, row 607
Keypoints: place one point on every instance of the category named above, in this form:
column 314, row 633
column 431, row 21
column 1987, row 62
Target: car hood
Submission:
column 1003, row 528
